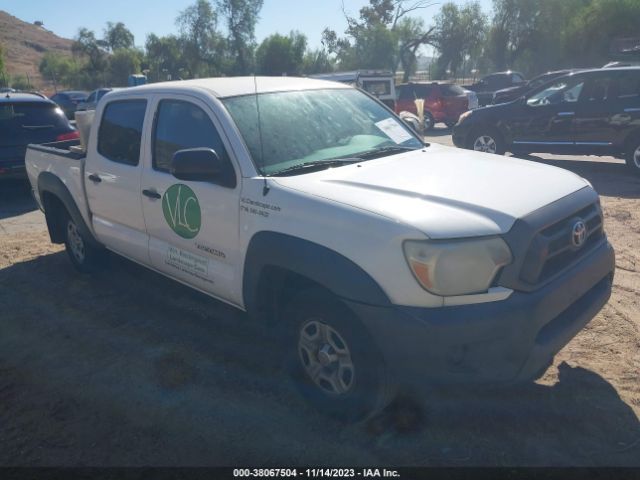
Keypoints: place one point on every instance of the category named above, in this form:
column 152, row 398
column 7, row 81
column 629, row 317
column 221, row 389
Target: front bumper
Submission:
column 460, row 134
column 493, row 343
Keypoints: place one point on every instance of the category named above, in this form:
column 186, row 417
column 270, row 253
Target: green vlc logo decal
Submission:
column 181, row 210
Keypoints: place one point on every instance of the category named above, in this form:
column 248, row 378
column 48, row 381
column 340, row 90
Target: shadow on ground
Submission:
column 126, row 367
column 608, row 178
column 15, row 198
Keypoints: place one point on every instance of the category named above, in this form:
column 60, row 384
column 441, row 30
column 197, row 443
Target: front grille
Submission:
column 552, row 250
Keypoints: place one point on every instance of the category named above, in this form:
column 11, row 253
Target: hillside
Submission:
column 25, row 44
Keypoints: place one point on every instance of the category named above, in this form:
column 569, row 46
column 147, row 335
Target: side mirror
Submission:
column 196, row 165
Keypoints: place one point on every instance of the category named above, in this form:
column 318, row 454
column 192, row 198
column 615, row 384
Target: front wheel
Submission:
column 633, row 157
column 333, row 362
column 487, row 141
column 84, row 256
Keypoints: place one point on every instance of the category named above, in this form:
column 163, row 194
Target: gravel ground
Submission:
column 126, row 367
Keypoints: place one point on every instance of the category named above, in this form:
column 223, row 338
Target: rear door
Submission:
column 192, row 226
column 112, row 178
column 610, row 110
column 544, row 122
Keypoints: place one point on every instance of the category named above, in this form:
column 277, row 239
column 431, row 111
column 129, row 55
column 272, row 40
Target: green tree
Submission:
column 59, row 69
column 203, row 46
column 123, row 62
column 87, row 47
column 241, row 17
column 590, row 32
column 164, row 56
column 316, row 61
column 458, row 35
column 381, row 37
column 117, row 36
column 280, row 55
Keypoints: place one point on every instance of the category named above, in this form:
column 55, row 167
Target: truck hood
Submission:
column 443, row 192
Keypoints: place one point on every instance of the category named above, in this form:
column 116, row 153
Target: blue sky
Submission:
column 65, row 17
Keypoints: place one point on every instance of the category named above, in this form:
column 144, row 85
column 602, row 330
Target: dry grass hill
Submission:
column 25, row 44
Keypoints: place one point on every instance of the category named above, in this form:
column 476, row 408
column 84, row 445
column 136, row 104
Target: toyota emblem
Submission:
column 578, row 234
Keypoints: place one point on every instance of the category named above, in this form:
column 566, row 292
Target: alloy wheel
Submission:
column 76, row 244
column 326, row 357
column 486, row 144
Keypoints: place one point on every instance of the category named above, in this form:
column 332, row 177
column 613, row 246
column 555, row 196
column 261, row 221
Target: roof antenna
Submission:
column 265, row 187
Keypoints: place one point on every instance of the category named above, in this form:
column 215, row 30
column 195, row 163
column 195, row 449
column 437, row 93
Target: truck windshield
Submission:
column 304, row 127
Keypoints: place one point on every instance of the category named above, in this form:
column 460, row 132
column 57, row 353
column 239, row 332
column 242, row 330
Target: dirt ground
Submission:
column 126, row 367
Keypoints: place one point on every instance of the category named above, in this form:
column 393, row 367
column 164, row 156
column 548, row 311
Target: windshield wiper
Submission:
column 319, row 165
column 384, row 151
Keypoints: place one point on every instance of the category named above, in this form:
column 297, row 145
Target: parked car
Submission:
column 377, row 83
column 380, row 261
column 595, row 112
column 69, row 100
column 443, row 102
column 28, row 118
column 6, row 90
column 512, row 93
column 487, row 86
column 94, row 97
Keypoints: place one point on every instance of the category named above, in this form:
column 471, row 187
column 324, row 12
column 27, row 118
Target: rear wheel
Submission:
column 633, row 157
column 333, row 362
column 487, row 141
column 84, row 256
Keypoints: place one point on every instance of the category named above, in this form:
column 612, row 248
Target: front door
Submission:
column 192, row 226
column 112, row 179
column 544, row 121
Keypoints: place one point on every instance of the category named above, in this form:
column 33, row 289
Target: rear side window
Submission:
column 181, row 125
column 629, row 86
column 120, row 131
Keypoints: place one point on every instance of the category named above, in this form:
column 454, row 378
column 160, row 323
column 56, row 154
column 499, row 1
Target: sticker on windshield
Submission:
column 394, row 130
column 181, row 210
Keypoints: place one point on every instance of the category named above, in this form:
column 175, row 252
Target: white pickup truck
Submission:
column 384, row 261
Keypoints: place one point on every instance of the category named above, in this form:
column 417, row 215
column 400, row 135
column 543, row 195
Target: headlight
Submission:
column 465, row 115
column 457, row 267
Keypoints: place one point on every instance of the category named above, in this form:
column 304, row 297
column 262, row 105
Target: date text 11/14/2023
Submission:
column 315, row 473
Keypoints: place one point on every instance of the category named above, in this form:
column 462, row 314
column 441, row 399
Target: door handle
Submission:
column 95, row 178
column 151, row 193
column 566, row 114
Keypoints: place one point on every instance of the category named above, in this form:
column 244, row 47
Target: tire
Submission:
column 633, row 156
column 332, row 360
column 84, row 256
column 487, row 140
column 429, row 122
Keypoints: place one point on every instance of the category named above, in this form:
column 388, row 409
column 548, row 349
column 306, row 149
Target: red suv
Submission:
column 443, row 102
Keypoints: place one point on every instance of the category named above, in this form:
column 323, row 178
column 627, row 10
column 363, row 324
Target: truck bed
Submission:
column 59, row 159
column 59, row 148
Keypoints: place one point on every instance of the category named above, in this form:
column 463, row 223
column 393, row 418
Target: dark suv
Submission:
column 28, row 118
column 512, row 93
column 490, row 84
column 594, row 112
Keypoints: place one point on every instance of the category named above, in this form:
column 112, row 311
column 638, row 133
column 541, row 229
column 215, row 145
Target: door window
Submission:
column 121, row 130
column 181, row 125
column 562, row 91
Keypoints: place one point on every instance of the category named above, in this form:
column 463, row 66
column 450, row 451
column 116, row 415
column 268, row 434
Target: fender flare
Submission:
column 315, row 262
column 50, row 183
